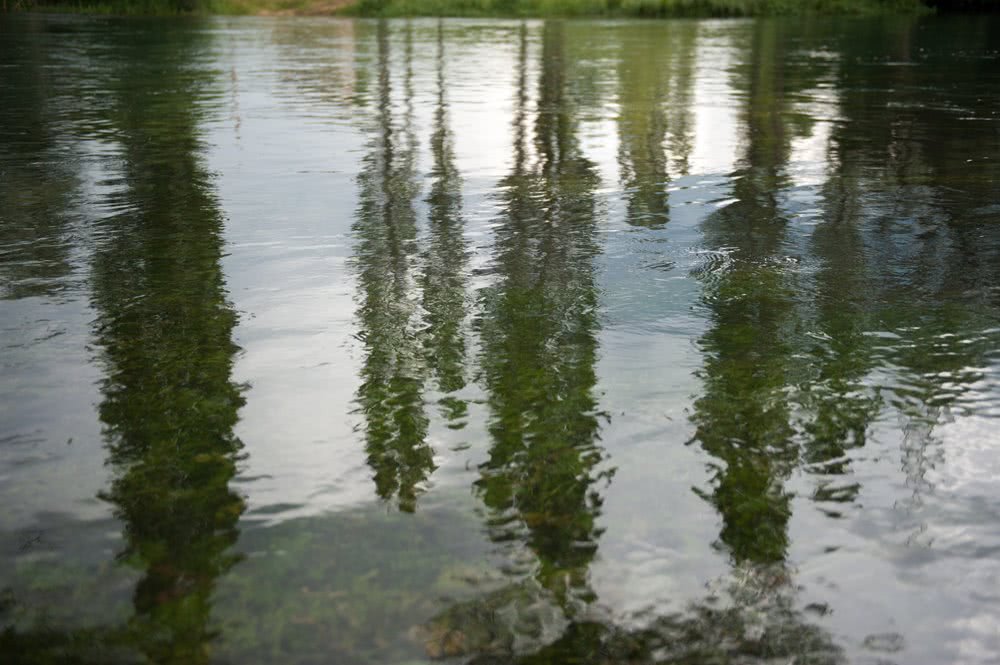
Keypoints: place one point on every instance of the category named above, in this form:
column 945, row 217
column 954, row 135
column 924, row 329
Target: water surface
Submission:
column 334, row 341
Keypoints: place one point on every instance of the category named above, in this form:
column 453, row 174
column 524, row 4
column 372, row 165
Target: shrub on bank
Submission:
column 512, row 8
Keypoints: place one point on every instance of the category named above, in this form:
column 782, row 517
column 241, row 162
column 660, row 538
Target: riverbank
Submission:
column 484, row 8
column 627, row 8
column 189, row 7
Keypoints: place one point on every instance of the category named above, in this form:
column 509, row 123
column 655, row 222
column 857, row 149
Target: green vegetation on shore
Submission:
column 624, row 8
column 175, row 7
column 479, row 8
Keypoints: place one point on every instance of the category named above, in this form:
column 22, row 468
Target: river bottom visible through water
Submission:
column 594, row 342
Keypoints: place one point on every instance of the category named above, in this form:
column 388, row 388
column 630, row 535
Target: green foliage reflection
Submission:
column 743, row 417
column 391, row 392
column 443, row 277
column 655, row 79
column 538, row 326
column 165, row 329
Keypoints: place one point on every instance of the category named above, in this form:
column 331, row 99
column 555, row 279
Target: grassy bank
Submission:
column 183, row 7
column 480, row 8
column 625, row 8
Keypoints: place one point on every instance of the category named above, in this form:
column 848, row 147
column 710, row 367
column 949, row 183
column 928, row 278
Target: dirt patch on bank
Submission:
column 319, row 8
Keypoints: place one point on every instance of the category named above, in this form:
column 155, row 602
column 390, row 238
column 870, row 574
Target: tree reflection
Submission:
column 38, row 178
column 905, row 249
column 743, row 417
column 925, row 232
column 443, row 276
column 392, row 377
column 538, row 328
column 655, row 80
column 840, row 405
column 539, row 479
column 165, row 329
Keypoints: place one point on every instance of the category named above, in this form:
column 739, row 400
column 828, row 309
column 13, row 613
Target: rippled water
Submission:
column 330, row 341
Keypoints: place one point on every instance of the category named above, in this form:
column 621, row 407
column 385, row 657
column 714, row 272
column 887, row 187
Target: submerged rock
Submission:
column 513, row 620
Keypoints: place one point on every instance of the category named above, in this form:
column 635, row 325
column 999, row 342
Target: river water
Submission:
column 336, row 341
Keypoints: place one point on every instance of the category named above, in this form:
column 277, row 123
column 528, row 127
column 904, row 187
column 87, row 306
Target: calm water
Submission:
column 329, row 341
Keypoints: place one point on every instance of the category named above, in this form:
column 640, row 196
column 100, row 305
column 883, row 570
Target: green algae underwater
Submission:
column 349, row 341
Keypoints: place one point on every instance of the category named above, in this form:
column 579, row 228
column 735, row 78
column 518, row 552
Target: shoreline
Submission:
column 500, row 9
